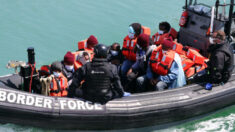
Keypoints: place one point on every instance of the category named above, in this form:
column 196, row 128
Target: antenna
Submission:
column 212, row 18
column 216, row 6
column 224, row 9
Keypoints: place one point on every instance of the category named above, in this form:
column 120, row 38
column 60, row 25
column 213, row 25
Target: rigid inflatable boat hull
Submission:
column 138, row 110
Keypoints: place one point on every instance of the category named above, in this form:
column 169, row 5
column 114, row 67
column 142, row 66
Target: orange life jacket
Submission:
column 146, row 30
column 195, row 56
column 77, row 63
column 178, row 48
column 192, row 61
column 129, row 44
column 82, row 44
column 59, row 86
column 198, row 59
column 186, row 62
column 159, row 38
column 195, row 69
column 128, row 48
column 161, row 63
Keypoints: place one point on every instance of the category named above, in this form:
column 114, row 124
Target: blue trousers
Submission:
column 142, row 83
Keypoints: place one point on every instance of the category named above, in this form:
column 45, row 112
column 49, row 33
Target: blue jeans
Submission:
column 142, row 82
column 126, row 65
column 160, row 86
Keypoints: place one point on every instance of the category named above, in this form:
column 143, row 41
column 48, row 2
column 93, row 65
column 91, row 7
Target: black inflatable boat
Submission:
column 138, row 110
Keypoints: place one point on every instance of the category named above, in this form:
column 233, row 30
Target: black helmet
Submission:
column 101, row 51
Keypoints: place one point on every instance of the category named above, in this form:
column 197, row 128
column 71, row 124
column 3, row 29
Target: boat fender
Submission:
column 183, row 19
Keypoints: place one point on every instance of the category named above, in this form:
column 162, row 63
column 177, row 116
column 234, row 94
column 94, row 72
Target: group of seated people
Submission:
column 99, row 73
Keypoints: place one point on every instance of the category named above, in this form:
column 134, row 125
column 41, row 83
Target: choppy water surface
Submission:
column 54, row 27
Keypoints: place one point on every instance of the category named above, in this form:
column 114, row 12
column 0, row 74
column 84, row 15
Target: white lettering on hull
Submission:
column 29, row 100
column 11, row 97
column 79, row 105
column 3, row 96
column 39, row 101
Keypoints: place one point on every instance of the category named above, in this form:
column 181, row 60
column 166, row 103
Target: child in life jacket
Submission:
column 59, row 83
column 164, row 69
column 165, row 31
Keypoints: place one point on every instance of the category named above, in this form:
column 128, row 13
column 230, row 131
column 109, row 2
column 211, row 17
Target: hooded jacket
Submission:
column 221, row 63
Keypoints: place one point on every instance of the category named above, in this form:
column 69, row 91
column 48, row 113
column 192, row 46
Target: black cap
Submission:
column 101, row 51
column 56, row 66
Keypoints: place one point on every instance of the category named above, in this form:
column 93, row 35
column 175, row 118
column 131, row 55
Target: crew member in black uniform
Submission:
column 220, row 65
column 101, row 80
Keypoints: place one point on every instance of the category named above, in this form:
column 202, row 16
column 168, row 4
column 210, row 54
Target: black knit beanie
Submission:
column 137, row 28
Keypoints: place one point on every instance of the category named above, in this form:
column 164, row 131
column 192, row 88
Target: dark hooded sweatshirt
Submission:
column 221, row 63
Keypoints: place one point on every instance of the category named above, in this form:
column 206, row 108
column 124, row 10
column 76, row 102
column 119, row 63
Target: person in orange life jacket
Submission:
column 59, row 82
column 92, row 42
column 221, row 59
column 174, row 78
column 143, row 51
column 81, row 57
column 134, row 31
column 68, row 66
column 101, row 83
column 165, row 31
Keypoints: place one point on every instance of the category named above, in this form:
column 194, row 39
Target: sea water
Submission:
column 54, row 27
